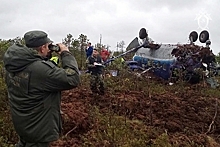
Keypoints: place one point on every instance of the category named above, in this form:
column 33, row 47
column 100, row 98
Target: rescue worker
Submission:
column 104, row 54
column 95, row 67
column 34, row 86
column 89, row 50
column 143, row 35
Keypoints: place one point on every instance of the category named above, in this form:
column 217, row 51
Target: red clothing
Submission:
column 104, row 54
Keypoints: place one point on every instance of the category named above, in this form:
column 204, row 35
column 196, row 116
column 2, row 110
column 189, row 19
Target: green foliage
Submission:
column 4, row 44
column 80, row 56
column 109, row 128
column 125, row 82
column 217, row 57
column 210, row 92
column 77, row 48
column 7, row 133
column 162, row 141
column 113, row 130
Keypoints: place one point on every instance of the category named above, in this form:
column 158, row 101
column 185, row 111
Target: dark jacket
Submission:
column 94, row 70
column 34, row 91
column 89, row 51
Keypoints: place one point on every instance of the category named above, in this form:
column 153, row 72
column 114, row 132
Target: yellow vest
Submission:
column 55, row 60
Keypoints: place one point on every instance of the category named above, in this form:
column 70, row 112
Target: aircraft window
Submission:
column 149, row 63
column 158, row 65
column 164, row 66
column 142, row 54
column 154, row 64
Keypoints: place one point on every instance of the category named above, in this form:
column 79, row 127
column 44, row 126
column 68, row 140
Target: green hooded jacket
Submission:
column 34, row 91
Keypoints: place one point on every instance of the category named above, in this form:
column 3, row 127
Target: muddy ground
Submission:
column 186, row 116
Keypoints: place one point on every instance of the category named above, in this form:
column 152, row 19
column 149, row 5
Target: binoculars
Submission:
column 53, row 47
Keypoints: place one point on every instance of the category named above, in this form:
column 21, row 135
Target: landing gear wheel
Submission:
column 193, row 36
column 204, row 36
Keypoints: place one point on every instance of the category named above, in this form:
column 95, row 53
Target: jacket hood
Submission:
column 18, row 57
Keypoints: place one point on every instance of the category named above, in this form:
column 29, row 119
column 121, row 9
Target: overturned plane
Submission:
column 174, row 61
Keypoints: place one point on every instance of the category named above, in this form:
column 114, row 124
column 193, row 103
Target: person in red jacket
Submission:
column 104, row 54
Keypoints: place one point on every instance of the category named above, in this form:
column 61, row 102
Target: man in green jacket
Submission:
column 34, row 88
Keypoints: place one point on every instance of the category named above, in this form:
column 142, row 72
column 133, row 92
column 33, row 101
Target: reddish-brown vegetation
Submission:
column 185, row 113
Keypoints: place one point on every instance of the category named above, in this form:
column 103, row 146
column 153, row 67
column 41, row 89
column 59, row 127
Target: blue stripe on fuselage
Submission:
column 161, row 67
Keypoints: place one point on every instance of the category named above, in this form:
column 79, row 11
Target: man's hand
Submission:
column 62, row 48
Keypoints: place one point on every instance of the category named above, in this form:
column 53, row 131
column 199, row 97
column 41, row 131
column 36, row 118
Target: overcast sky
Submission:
column 167, row 21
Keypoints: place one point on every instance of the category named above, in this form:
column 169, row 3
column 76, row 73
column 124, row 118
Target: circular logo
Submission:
column 203, row 20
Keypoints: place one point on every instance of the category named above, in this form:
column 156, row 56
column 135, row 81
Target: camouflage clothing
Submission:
column 97, row 84
column 96, row 79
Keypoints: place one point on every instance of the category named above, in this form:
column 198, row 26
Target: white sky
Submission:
column 167, row 21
